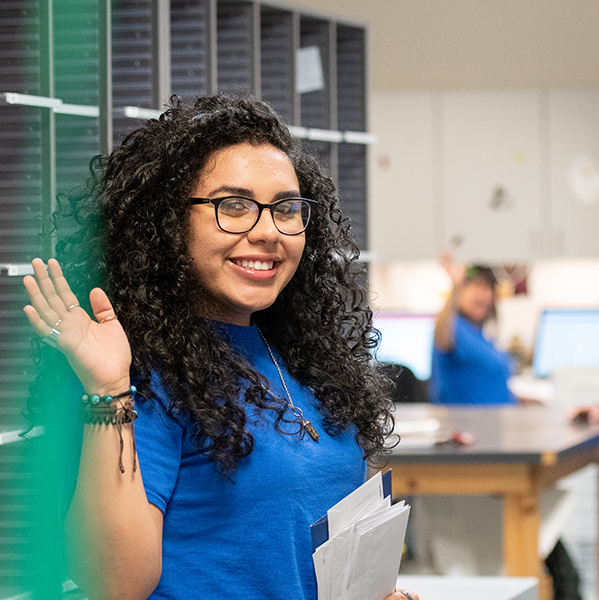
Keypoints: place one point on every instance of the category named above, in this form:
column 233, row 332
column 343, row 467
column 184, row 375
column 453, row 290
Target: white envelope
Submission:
column 376, row 555
column 359, row 503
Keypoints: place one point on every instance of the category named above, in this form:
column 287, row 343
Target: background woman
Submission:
column 467, row 367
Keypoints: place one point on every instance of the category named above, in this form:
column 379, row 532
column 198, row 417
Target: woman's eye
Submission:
column 235, row 207
column 287, row 210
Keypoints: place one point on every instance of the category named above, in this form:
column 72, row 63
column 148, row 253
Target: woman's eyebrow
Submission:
column 287, row 194
column 241, row 191
column 231, row 189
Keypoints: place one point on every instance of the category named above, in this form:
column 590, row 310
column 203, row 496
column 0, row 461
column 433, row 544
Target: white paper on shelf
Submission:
column 309, row 74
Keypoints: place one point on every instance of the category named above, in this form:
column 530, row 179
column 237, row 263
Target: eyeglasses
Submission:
column 236, row 214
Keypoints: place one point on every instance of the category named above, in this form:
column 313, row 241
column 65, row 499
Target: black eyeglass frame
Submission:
column 216, row 202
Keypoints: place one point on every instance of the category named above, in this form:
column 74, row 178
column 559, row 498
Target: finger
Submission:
column 31, row 286
column 38, row 299
column 61, row 285
column 49, row 335
column 406, row 595
column 47, row 302
column 39, row 325
column 594, row 415
column 445, row 259
column 101, row 305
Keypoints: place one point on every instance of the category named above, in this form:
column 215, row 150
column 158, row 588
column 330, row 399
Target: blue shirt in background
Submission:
column 474, row 372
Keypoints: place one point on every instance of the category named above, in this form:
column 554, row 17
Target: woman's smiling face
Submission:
column 243, row 273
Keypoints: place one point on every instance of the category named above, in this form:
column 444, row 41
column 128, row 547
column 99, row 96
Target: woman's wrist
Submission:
column 109, row 388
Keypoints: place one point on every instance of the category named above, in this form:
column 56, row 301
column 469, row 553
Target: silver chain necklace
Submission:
column 294, row 410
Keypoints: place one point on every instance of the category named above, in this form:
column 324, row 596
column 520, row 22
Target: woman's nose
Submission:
column 265, row 227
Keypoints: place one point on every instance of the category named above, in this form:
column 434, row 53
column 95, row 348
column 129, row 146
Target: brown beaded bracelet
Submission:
column 111, row 410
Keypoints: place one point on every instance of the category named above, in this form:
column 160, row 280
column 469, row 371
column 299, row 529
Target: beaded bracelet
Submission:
column 111, row 410
column 105, row 409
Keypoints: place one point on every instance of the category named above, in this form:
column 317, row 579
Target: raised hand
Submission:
column 98, row 351
column 456, row 271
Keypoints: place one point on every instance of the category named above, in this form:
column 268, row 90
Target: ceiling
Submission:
column 424, row 44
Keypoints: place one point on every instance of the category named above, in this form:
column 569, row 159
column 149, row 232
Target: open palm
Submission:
column 98, row 351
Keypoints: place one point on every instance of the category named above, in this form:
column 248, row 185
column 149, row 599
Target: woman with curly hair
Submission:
column 222, row 279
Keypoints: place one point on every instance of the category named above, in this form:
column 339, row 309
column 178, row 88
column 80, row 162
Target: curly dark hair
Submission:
column 133, row 218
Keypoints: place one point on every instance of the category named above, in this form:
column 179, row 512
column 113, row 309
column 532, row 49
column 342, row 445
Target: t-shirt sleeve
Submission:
column 159, row 440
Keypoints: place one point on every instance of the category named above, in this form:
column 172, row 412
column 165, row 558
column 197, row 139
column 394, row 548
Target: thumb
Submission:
column 101, row 306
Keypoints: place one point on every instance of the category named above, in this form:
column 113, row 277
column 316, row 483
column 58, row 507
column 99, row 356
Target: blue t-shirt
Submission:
column 474, row 372
column 244, row 535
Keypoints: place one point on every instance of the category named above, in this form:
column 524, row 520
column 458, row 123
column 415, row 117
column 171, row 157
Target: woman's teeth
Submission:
column 255, row 264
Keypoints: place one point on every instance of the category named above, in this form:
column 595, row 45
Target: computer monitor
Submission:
column 407, row 339
column 566, row 337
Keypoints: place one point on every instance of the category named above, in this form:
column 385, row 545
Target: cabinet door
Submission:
column 351, row 116
column 491, row 175
column 277, row 60
column 191, row 60
column 131, row 61
column 402, row 219
column 316, row 103
column 236, row 47
column 574, row 155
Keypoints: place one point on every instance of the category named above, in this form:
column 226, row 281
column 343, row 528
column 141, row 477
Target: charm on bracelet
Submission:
column 52, row 338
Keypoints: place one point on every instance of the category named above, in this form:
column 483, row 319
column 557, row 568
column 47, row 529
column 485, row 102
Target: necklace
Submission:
column 294, row 410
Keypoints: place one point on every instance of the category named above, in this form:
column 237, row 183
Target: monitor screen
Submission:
column 566, row 337
column 407, row 339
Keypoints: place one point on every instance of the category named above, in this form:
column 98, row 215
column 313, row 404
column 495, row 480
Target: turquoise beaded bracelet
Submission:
column 96, row 399
column 96, row 409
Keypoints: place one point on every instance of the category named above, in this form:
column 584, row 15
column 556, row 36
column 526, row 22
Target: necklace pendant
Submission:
column 310, row 429
column 295, row 411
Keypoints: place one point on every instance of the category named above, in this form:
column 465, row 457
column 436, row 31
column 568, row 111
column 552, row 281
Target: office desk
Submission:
column 517, row 453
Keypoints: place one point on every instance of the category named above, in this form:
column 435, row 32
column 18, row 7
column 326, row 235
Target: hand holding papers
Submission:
column 358, row 545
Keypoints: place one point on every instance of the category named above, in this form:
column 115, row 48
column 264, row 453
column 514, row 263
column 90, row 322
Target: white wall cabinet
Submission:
column 402, row 207
column 574, row 175
column 489, row 167
column 492, row 175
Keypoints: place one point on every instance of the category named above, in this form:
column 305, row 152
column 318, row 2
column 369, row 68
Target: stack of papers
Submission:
column 419, row 432
column 358, row 544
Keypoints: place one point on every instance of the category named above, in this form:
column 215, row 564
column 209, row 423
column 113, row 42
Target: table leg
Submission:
column 521, row 522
